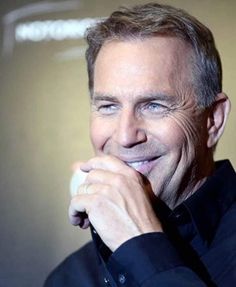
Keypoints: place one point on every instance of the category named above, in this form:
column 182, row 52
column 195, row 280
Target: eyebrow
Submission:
column 152, row 96
column 103, row 97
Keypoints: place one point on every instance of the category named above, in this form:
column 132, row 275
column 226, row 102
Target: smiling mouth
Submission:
column 137, row 164
column 143, row 166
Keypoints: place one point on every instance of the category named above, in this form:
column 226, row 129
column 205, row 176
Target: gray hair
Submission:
column 150, row 20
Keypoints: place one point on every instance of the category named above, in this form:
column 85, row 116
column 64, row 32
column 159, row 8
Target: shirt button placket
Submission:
column 122, row 279
column 106, row 281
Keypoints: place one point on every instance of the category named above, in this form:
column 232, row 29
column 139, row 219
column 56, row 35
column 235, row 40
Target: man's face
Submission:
column 144, row 113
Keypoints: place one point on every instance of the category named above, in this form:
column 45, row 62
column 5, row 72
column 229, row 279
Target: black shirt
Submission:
column 198, row 247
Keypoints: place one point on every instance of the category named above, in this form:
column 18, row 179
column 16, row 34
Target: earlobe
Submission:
column 217, row 119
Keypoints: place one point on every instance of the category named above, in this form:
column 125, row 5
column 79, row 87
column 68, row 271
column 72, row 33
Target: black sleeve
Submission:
column 150, row 260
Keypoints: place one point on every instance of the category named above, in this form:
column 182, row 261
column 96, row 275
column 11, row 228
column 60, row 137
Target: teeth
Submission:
column 136, row 164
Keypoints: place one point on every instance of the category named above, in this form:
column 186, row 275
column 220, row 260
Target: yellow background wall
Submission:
column 44, row 129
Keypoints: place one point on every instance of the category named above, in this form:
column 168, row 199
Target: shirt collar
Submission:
column 210, row 202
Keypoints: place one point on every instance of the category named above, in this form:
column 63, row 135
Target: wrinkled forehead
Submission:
column 164, row 62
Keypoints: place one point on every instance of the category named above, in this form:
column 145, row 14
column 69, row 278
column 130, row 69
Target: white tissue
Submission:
column 77, row 179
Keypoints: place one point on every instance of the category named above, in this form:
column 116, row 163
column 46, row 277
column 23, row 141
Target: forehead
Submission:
column 139, row 65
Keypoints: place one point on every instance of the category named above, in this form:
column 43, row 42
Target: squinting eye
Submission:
column 154, row 107
column 107, row 109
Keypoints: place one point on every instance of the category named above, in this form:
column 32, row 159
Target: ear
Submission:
column 217, row 118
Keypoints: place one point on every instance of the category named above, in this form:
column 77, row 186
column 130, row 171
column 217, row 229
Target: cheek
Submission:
column 100, row 132
column 186, row 135
column 170, row 133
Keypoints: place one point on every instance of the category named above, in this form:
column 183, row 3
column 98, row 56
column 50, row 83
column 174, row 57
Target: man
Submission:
column 162, row 213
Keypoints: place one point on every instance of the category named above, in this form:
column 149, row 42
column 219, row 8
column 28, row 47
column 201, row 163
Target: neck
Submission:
column 193, row 181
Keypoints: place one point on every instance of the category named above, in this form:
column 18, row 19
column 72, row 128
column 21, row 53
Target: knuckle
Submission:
column 119, row 179
column 106, row 189
column 98, row 201
column 100, row 198
column 73, row 201
column 91, row 175
column 106, row 159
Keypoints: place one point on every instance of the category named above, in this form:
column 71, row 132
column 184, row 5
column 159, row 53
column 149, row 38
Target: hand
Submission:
column 116, row 199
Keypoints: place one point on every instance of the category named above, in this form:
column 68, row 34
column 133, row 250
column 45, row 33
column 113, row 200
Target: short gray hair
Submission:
column 150, row 20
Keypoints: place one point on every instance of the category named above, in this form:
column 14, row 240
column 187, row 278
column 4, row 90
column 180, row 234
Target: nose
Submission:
column 130, row 130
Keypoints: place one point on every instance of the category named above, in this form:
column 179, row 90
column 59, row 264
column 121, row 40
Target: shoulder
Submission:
column 79, row 267
column 79, row 258
column 227, row 227
column 221, row 257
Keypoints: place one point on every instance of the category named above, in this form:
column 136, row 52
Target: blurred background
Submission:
column 44, row 122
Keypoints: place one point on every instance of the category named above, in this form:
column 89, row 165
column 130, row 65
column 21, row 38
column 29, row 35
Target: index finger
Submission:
column 106, row 162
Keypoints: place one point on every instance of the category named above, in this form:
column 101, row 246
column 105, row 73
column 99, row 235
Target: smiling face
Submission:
column 144, row 112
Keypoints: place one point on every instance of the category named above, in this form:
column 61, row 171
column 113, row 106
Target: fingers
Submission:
column 82, row 202
column 110, row 163
column 78, row 218
column 105, row 180
column 93, row 171
column 76, row 165
column 89, row 189
column 77, row 212
column 77, row 180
